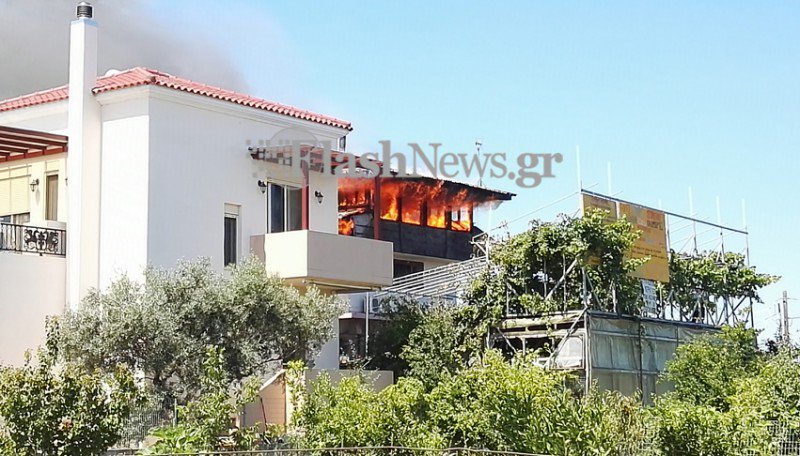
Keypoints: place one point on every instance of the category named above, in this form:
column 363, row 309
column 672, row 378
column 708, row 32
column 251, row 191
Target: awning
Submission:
column 16, row 143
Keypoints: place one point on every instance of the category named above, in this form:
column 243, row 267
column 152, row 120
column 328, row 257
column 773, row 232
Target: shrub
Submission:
column 52, row 410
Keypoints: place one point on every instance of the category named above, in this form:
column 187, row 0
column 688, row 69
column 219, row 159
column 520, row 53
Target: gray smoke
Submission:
column 34, row 45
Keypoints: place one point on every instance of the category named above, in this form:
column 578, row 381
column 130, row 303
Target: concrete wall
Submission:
column 32, row 287
column 274, row 403
column 326, row 258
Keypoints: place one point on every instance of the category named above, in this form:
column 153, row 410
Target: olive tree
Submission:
column 162, row 326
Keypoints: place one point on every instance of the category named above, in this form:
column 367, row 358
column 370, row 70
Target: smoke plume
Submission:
column 34, row 44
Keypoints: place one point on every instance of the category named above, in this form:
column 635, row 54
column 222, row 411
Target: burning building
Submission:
column 420, row 215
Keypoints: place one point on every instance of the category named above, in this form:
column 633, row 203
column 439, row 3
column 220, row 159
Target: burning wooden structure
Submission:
column 420, row 215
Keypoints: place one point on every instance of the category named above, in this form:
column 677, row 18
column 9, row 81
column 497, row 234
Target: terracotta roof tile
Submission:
column 144, row 76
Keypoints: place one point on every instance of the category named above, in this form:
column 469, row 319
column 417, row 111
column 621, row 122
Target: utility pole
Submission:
column 785, row 319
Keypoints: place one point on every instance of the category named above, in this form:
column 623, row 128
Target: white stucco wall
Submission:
column 199, row 162
column 32, row 288
column 124, row 186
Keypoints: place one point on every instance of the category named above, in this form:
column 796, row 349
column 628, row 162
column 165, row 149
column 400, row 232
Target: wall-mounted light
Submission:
column 34, row 184
column 263, row 186
column 319, row 196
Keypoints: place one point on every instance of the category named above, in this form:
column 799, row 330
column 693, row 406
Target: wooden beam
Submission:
column 25, row 141
column 33, row 133
column 15, row 149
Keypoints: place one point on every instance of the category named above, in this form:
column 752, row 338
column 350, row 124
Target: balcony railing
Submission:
column 33, row 239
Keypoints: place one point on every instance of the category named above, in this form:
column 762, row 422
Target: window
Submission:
column 16, row 219
column 231, row 241
column 15, row 193
column 51, row 197
column 285, row 208
column 404, row 267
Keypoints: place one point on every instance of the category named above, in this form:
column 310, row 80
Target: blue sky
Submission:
column 672, row 95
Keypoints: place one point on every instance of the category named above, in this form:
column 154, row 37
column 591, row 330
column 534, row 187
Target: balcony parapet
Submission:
column 329, row 260
column 33, row 239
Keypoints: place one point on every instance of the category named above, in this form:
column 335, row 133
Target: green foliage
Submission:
column 773, row 393
column 447, row 340
column 205, row 424
column 352, row 414
column 512, row 407
column 532, row 262
column 708, row 276
column 683, row 428
column 494, row 404
column 705, row 371
column 162, row 326
column 53, row 410
column 387, row 339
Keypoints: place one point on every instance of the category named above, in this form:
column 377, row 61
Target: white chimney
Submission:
column 83, row 159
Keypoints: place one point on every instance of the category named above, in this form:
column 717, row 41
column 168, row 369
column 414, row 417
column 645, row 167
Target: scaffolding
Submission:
column 614, row 348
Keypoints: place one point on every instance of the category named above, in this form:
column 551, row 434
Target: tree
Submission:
column 773, row 393
column 52, row 410
column 163, row 325
column 706, row 370
column 531, row 263
column 705, row 277
column 448, row 339
column 403, row 315
column 204, row 424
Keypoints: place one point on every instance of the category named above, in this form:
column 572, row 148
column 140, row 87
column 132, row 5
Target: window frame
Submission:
column 51, row 205
column 291, row 202
column 230, row 247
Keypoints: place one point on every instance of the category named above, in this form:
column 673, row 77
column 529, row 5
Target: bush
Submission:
column 495, row 404
column 683, row 429
column 205, row 424
column 52, row 410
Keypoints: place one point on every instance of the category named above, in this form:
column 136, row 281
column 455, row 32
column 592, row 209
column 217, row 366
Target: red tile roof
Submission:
column 145, row 76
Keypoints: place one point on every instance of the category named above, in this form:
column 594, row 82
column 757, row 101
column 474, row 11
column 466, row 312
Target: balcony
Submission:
column 330, row 261
column 33, row 239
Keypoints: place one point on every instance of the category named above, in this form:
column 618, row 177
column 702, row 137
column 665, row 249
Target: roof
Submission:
column 141, row 76
column 16, row 143
column 487, row 192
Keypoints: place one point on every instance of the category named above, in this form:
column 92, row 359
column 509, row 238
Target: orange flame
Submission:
column 415, row 202
column 346, row 226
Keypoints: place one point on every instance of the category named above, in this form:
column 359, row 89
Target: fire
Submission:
column 411, row 201
column 346, row 226
column 354, row 192
column 436, row 217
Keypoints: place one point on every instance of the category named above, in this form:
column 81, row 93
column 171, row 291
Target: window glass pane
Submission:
column 294, row 209
column 276, row 209
column 230, row 240
column 51, row 203
column 21, row 219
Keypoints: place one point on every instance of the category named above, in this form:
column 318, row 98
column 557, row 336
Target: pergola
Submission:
column 17, row 143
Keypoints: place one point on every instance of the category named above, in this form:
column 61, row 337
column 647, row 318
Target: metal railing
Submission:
column 354, row 451
column 33, row 239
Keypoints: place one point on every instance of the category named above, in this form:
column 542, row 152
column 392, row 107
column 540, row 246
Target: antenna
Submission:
column 478, row 145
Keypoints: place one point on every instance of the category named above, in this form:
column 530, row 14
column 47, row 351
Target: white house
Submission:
column 110, row 174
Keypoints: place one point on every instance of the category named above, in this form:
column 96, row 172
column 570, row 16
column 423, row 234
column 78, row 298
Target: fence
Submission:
column 140, row 423
column 773, row 439
column 354, row 451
